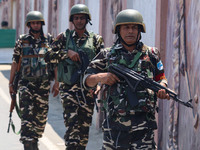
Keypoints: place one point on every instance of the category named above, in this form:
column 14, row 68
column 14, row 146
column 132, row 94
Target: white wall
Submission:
column 45, row 15
column 63, row 16
column 32, row 4
column 14, row 15
column 148, row 10
column 94, row 8
column 23, row 16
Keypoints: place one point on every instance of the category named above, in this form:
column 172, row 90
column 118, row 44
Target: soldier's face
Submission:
column 79, row 21
column 129, row 33
column 36, row 25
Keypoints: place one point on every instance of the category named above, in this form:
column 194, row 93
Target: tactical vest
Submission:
column 33, row 64
column 87, row 47
column 121, row 99
column 69, row 71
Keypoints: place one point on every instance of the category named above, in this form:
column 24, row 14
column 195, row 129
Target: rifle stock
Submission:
column 140, row 80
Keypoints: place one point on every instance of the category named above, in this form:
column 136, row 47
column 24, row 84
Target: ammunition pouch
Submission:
column 70, row 71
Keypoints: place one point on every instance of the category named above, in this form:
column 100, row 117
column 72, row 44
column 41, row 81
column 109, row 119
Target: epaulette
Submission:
column 60, row 35
column 152, row 50
column 23, row 36
column 92, row 34
column 49, row 38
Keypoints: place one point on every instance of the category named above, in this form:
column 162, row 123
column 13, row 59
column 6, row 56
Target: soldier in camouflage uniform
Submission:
column 128, row 126
column 34, row 83
column 75, row 48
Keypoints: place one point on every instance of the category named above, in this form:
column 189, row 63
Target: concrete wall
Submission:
column 63, row 15
column 56, row 15
column 45, row 14
column 179, row 124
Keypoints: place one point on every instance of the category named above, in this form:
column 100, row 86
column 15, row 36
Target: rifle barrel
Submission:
column 145, row 82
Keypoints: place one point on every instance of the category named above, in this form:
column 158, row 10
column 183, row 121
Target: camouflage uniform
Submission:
column 78, row 110
column 125, row 126
column 34, row 85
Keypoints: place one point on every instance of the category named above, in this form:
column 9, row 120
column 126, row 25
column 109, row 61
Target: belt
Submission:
column 36, row 79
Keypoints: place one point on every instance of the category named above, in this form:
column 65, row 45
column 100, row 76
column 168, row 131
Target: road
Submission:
column 53, row 136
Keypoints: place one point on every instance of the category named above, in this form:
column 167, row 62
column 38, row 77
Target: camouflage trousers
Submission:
column 77, row 116
column 131, row 135
column 34, row 108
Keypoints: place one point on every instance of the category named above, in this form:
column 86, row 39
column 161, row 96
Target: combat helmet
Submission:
column 34, row 16
column 129, row 16
column 79, row 9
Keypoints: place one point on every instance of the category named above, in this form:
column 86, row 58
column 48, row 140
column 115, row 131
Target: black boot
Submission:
column 35, row 145
column 28, row 145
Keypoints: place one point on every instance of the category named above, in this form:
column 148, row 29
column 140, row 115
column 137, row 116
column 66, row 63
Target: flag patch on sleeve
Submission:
column 160, row 65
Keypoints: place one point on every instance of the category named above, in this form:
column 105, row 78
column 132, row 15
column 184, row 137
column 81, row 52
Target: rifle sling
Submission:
column 137, row 56
column 116, row 71
column 13, row 128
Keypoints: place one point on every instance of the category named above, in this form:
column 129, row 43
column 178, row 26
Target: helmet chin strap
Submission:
column 89, row 21
column 35, row 31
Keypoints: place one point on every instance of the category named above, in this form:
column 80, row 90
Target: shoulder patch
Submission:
column 160, row 65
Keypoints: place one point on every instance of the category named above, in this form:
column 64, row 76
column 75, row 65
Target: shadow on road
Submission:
column 6, row 73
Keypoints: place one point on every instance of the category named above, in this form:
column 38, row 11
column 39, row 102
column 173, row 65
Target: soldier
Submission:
column 34, row 84
column 74, row 49
column 128, row 126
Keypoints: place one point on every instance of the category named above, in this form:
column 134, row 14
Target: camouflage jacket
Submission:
column 121, row 109
column 58, row 47
column 31, row 51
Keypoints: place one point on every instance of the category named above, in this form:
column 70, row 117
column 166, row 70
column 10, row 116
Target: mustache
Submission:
column 130, row 36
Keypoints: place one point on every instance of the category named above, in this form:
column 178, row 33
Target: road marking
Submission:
column 50, row 146
column 5, row 67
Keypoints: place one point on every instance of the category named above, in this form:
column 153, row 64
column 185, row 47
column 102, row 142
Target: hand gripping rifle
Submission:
column 134, row 80
column 13, row 96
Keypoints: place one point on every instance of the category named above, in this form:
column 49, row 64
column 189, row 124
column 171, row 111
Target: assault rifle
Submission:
column 13, row 96
column 134, row 80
